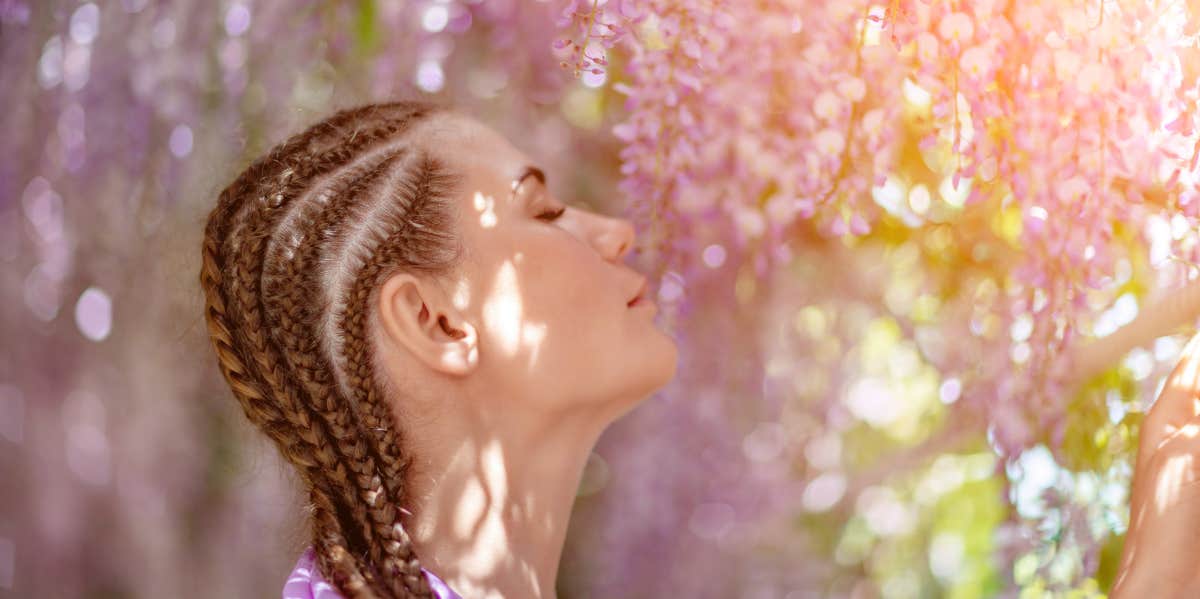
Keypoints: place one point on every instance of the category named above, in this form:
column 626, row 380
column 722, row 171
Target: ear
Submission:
column 416, row 314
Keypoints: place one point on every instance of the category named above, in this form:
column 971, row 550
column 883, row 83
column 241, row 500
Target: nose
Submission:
column 615, row 239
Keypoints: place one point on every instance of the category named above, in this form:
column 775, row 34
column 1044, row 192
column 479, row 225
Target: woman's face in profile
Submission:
column 545, row 283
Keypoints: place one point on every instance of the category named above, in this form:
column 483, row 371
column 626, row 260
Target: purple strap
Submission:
column 306, row 582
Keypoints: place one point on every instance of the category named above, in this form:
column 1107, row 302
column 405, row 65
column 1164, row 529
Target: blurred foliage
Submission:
column 832, row 430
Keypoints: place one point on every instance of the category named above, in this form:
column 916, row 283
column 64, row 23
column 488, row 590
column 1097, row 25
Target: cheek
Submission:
column 569, row 292
column 549, row 304
column 556, row 298
column 557, row 270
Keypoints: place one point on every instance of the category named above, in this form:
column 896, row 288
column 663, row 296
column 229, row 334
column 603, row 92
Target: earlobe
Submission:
column 416, row 315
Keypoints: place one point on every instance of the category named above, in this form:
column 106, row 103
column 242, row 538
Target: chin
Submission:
column 669, row 362
column 657, row 365
column 642, row 370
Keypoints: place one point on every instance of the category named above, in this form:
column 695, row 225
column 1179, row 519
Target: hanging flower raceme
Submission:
column 1072, row 124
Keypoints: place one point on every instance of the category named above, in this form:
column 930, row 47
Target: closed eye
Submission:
column 552, row 215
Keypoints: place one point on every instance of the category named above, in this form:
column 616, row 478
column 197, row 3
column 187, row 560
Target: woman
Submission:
column 433, row 340
column 436, row 343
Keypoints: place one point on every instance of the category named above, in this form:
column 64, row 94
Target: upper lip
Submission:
column 641, row 292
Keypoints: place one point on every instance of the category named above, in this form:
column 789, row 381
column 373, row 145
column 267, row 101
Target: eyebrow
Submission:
column 526, row 172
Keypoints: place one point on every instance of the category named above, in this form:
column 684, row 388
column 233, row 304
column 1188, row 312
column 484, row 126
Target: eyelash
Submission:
column 552, row 215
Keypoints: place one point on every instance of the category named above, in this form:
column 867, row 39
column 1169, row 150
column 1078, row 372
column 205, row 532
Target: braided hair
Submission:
column 293, row 254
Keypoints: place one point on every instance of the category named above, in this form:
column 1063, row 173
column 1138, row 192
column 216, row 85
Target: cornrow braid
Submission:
column 425, row 225
column 289, row 286
column 419, row 238
column 247, row 245
column 332, row 555
column 319, row 461
column 265, row 304
column 259, row 404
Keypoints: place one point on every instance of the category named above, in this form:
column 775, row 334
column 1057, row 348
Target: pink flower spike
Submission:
column 975, row 62
column 859, row 225
column 625, row 132
column 1173, row 180
column 1184, row 128
column 956, row 27
column 1035, row 222
column 626, row 9
column 805, row 207
column 1189, row 202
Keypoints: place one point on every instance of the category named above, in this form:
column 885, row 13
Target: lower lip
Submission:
column 642, row 303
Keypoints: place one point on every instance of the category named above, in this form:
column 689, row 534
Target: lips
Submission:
column 640, row 296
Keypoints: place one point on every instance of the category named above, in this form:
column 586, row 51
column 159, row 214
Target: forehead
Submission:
column 484, row 157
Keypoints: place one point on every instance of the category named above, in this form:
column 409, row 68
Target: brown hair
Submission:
column 293, row 255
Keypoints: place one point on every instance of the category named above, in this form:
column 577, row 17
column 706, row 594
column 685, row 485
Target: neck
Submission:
column 491, row 500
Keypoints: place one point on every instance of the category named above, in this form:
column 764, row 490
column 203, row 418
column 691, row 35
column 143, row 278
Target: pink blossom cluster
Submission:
column 1075, row 121
column 1083, row 124
column 598, row 26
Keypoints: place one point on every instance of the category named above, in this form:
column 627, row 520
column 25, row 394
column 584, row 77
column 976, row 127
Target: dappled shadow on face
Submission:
column 498, row 496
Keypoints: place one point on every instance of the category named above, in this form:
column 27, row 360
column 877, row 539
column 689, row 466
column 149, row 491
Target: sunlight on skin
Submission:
column 1164, row 484
column 1175, row 411
column 461, row 297
column 532, row 335
column 482, row 496
column 479, row 498
column 486, row 205
column 502, row 309
column 500, row 435
column 492, row 459
column 1175, row 473
column 471, row 507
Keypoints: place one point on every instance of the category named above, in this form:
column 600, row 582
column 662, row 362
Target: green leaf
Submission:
column 366, row 27
column 1110, row 559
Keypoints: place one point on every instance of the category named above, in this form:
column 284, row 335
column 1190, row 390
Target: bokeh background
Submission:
column 927, row 264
